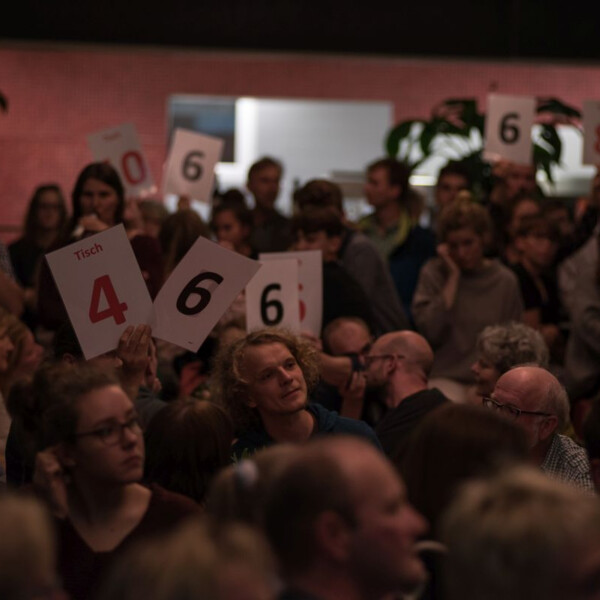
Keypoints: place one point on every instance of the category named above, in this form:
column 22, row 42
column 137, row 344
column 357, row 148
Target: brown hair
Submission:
column 319, row 192
column 464, row 213
column 187, row 443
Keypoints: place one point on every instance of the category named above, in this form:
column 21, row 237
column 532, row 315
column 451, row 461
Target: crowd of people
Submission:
column 440, row 438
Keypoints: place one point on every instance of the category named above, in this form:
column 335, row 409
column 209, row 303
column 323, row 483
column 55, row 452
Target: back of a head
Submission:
column 194, row 561
column 452, row 444
column 187, row 443
column 522, row 535
column 319, row 192
column 27, row 552
column 319, row 218
column 314, row 482
column 178, row 234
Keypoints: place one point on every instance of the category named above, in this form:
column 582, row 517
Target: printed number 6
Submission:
column 192, row 169
column 509, row 133
column 275, row 304
column 193, row 288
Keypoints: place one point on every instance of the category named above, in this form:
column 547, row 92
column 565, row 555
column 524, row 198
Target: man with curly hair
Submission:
column 264, row 381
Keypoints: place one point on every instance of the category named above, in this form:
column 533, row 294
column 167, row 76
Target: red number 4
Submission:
column 115, row 308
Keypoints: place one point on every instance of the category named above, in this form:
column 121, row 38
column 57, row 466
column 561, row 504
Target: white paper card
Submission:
column 191, row 165
column 102, row 288
column 508, row 127
column 310, row 286
column 198, row 292
column 591, row 132
column 272, row 296
column 120, row 146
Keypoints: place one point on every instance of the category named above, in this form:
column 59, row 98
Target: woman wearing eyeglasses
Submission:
column 89, row 468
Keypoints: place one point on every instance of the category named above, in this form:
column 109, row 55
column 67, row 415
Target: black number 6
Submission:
column 193, row 288
column 275, row 304
column 191, row 169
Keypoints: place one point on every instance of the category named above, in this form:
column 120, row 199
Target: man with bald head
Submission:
column 341, row 526
column 538, row 402
column 397, row 369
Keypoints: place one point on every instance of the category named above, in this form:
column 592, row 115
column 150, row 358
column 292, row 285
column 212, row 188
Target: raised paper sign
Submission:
column 200, row 289
column 272, row 296
column 591, row 132
column 310, row 286
column 508, row 128
column 120, row 146
column 191, row 164
column 102, row 288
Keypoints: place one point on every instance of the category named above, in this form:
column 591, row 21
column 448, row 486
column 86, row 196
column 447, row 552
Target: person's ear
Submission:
column 548, row 427
column 333, row 536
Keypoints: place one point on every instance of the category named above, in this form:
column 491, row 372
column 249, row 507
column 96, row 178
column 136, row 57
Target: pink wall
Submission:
column 59, row 94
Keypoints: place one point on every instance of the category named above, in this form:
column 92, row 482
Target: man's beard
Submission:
column 375, row 405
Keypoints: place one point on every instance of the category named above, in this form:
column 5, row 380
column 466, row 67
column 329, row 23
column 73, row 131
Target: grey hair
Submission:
column 506, row 346
column 557, row 402
column 508, row 538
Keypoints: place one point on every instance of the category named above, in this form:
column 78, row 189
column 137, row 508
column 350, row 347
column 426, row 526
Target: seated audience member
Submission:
column 404, row 244
column 502, row 347
column 231, row 223
column 591, row 440
column 536, row 241
column 89, row 464
column 586, row 213
column 272, row 231
column 322, row 229
column 178, row 234
column 98, row 204
column 397, row 368
column 340, row 525
column 460, row 293
column 351, row 337
column 453, row 178
column 27, row 552
column 537, row 402
column 195, row 562
column 12, row 295
column 522, row 536
column 559, row 213
column 45, row 222
column 580, row 288
column 522, row 207
column 238, row 492
column 264, row 381
column 154, row 214
column 453, row 444
column 359, row 256
column 187, row 443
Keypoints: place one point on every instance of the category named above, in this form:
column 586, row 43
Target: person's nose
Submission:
column 284, row 376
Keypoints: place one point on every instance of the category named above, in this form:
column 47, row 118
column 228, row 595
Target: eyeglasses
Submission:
column 112, row 434
column 371, row 358
column 511, row 410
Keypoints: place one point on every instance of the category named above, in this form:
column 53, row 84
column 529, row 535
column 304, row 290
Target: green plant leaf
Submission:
column 543, row 160
column 3, row 102
column 552, row 139
column 427, row 135
column 396, row 135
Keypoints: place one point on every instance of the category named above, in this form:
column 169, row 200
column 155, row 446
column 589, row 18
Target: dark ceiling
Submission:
column 506, row 29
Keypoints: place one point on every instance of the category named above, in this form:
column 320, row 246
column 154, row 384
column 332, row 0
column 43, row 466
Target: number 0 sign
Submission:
column 508, row 128
column 202, row 286
column 191, row 164
column 102, row 287
column 272, row 296
column 121, row 147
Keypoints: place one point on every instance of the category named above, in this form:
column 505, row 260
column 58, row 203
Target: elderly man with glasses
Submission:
column 536, row 400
